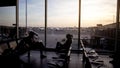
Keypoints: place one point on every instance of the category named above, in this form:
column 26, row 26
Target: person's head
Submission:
column 33, row 35
column 69, row 36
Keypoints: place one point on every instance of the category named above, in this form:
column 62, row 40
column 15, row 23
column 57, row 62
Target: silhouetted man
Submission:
column 30, row 43
column 65, row 46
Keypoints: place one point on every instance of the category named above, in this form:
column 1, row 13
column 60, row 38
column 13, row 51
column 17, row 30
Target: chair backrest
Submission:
column 8, row 45
column 3, row 47
column 13, row 44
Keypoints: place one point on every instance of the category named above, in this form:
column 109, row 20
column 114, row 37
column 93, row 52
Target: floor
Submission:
column 75, row 60
column 36, row 62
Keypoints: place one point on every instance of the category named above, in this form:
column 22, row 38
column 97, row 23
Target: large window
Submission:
column 35, row 17
column 62, row 19
column 7, row 23
column 98, row 20
column 22, row 18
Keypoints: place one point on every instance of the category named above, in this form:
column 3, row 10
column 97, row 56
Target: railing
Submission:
column 86, row 61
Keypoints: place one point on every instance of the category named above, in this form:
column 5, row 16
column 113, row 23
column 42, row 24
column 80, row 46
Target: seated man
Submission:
column 29, row 43
column 65, row 46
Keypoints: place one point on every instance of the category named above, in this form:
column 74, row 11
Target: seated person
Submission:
column 29, row 43
column 65, row 46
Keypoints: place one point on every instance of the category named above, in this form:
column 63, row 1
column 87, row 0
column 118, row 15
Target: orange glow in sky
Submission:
column 98, row 12
column 63, row 13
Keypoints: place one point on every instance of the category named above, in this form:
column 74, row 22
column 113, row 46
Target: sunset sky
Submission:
column 62, row 13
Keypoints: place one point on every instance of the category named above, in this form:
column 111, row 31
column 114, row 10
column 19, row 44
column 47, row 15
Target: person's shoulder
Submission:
column 41, row 42
column 24, row 39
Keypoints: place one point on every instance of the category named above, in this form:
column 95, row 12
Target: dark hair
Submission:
column 69, row 36
column 32, row 33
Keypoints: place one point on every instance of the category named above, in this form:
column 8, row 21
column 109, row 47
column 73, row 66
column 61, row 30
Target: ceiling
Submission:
column 7, row 3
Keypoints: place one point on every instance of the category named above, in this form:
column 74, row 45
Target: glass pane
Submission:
column 119, row 11
column 35, row 18
column 7, row 23
column 98, row 23
column 62, row 19
column 7, row 26
column 22, row 18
